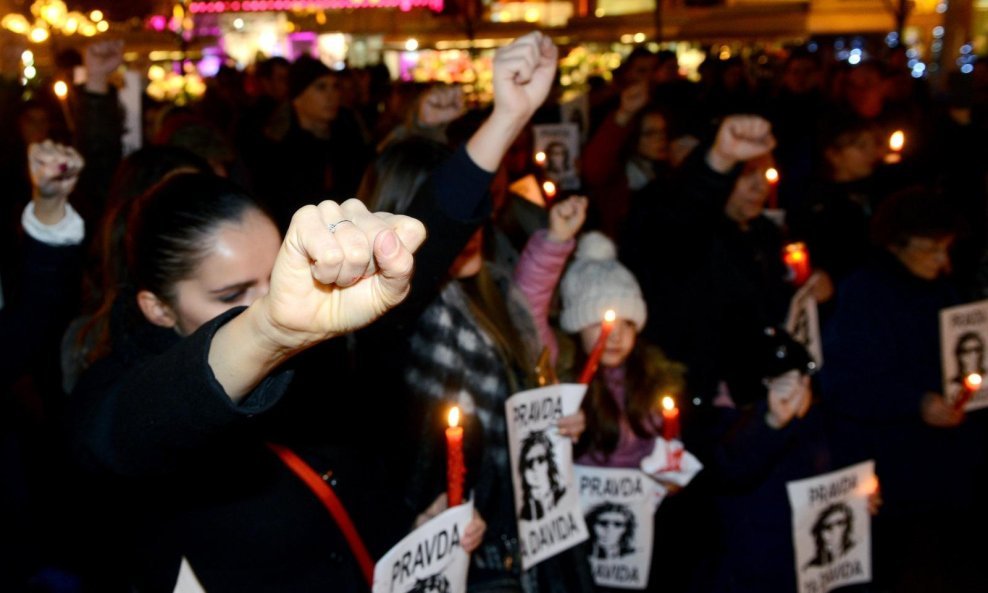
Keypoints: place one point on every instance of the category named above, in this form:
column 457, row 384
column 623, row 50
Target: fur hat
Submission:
column 595, row 282
column 304, row 71
column 780, row 353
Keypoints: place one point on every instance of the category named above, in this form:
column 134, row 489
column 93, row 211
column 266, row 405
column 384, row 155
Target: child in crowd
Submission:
column 622, row 417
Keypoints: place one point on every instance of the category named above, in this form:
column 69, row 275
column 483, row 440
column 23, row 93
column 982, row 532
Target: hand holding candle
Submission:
column 972, row 383
column 598, row 349
column 454, row 458
column 798, row 260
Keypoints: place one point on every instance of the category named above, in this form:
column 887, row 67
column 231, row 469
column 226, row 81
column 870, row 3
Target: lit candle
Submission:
column 670, row 433
column 772, row 177
column 540, row 158
column 61, row 91
column 972, row 383
column 454, row 459
column 549, row 188
column 896, row 143
column 798, row 260
column 670, row 418
column 598, row 349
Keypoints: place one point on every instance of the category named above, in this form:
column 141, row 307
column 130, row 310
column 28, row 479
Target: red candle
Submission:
column 598, row 349
column 670, row 418
column 454, row 459
column 670, row 433
column 972, row 383
column 772, row 177
column 550, row 189
column 798, row 260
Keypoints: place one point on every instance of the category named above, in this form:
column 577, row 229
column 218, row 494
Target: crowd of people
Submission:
column 324, row 261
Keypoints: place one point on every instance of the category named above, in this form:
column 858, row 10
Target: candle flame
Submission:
column 897, row 140
column 796, row 252
column 610, row 316
column 540, row 157
column 870, row 486
column 454, row 416
column 61, row 89
column 972, row 381
column 772, row 175
column 549, row 188
column 668, row 403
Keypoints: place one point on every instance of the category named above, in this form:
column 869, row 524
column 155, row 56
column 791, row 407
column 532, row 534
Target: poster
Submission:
column 429, row 559
column 803, row 322
column 619, row 506
column 832, row 528
column 547, row 503
column 963, row 334
column 576, row 109
column 560, row 143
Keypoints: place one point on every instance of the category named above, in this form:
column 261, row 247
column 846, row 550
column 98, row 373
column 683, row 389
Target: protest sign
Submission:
column 619, row 505
column 546, row 499
column 963, row 335
column 429, row 559
column 832, row 528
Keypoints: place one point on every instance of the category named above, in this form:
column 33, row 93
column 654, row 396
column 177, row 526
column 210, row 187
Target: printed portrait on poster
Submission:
column 619, row 505
column 547, row 505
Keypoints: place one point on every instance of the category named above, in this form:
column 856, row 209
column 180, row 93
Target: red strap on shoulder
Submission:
column 332, row 503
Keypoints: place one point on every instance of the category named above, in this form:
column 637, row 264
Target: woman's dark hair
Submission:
column 135, row 175
column 914, row 212
column 170, row 228
column 398, row 173
column 648, row 374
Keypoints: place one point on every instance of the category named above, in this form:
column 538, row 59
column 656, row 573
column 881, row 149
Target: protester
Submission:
column 628, row 151
column 195, row 396
column 37, row 300
column 764, row 447
column 620, row 406
column 883, row 382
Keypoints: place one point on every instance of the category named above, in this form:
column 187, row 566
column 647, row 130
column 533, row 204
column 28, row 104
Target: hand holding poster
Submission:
column 546, row 501
column 429, row 558
column 963, row 334
column 832, row 528
column 803, row 321
column 619, row 505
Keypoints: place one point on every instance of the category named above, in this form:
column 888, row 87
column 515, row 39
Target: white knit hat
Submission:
column 596, row 282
